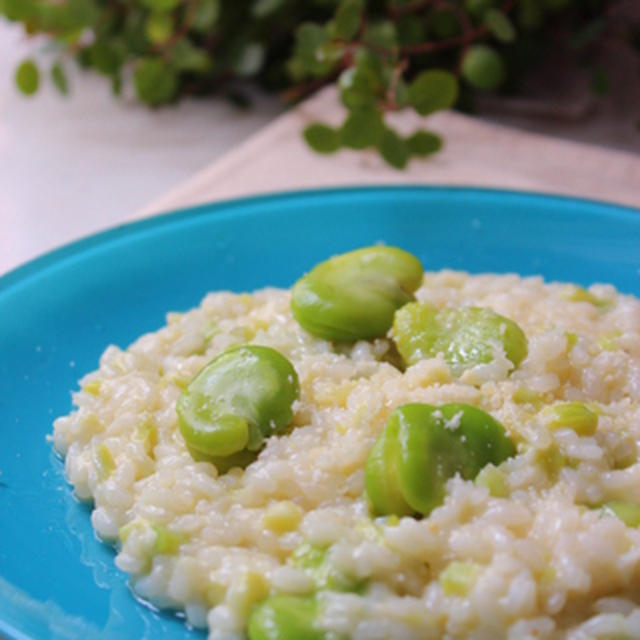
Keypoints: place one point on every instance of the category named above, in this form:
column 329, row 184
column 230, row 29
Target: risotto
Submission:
column 542, row 542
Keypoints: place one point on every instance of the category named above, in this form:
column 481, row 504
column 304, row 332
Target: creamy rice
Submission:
column 545, row 562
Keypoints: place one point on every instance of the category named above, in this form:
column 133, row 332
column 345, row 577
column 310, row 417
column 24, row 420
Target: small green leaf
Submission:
column 27, row 77
column 59, row 79
column 371, row 63
column 444, row 23
column 358, row 88
column 263, row 8
column 362, row 128
column 160, row 5
column 322, row 138
column 402, row 94
column 479, row 7
column 106, row 57
column 529, row 15
column 424, row 143
column 116, row 85
column 330, row 52
column 159, row 27
column 500, row 25
column 134, row 38
column 81, row 13
column 433, row 90
column 411, row 30
column 250, row 60
column 187, row 57
column 18, row 10
column 305, row 61
column 394, row 149
column 382, row 34
column 205, row 15
column 347, row 19
column 155, row 81
column 483, row 68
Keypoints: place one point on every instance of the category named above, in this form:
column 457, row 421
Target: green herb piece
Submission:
column 322, row 138
column 27, row 77
column 500, row 25
column 483, row 68
column 155, row 81
column 424, row 143
column 458, row 578
column 433, row 90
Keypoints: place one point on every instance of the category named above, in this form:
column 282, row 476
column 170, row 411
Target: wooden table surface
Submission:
column 476, row 153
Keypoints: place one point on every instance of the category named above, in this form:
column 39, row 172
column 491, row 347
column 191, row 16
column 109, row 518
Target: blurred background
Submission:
column 70, row 163
column 193, row 78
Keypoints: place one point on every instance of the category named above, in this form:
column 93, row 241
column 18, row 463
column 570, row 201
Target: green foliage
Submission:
column 500, row 25
column 394, row 149
column 322, row 138
column 362, row 128
column 59, row 78
column 385, row 55
column 424, row 143
column 483, row 68
column 347, row 19
column 27, row 77
column 155, row 81
column 433, row 90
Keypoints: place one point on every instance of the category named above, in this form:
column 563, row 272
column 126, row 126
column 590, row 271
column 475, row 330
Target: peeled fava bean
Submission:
column 466, row 336
column 353, row 296
column 421, row 447
column 287, row 618
column 240, row 398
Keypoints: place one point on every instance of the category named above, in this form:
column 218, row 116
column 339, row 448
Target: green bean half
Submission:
column 353, row 296
column 240, row 398
column 421, row 447
column 466, row 336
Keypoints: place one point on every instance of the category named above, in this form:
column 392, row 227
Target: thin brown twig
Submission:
column 177, row 35
column 461, row 40
column 391, row 103
column 299, row 91
column 469, row 35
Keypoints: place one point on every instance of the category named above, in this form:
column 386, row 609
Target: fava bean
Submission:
column 466, row 337
column 353, row 296
column 240, row 398
column 421, row 447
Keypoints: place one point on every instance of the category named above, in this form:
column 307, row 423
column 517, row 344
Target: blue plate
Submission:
column 58, row 313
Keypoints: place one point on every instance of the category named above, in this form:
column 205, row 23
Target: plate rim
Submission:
column 42, row 262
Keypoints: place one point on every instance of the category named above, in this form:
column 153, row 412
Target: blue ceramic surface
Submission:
column 58, row 313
